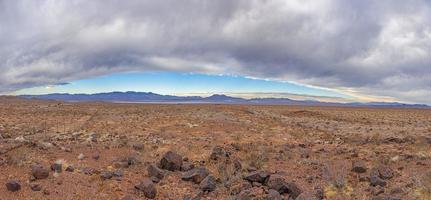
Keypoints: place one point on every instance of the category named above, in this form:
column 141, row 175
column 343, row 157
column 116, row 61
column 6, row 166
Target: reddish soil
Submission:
column 311, row 147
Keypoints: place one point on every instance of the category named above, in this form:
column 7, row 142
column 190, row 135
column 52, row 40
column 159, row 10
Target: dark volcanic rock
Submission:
column 218, row 152
column 57, row 167
column 274, row 195
column 118, row 173
column 187, row 166
column 70, row 168
column 251, row 193
column 359, row 166
column 89, row 171
column 293, row 190
column 148, row 188
column 198, row 196
column 13, row 186
column 96, row 156
column 385, row 172
column 171, row 161
column 208, row 184
column 39, row 172
column 196, row 175
column 36, row 187
column 106, row 175
column 138, row 146
column 154, row 171
column 258, row 176
column 126, row 162
column 377, row 181
column 240, row 186
column 278, row 183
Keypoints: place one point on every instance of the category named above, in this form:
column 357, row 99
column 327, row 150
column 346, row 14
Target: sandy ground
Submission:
column 310, row 147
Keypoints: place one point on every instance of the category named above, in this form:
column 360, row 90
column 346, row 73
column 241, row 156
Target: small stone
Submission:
column 274, row 195
column 196, row 175
column 198, row 196
column 240, row 186
column 106, row 175
column 293, row 190
column 138, row 146
column 39, row 172
column 256, row 184
column 218, row 152
column 359, row 166
column 118, row 173
column 363, row 177
column 89, row 171
column 397, row 190
column 208, row 184
column 81, row 156
column 251, row 169
column 187, row 166
column 377, row 181
column 154, row 171
column 171, row 161
column 125, row 162
column 57, row 167
column 385, row 172
column 13, row 186
column 155, row 179
column 377, row 190
column 96, row 156
column 36, row 187
column 70, row 168
column 278, row 183
column 148, row 188
column 258, row 176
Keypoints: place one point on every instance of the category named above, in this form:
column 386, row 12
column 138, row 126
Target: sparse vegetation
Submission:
column 306, row 148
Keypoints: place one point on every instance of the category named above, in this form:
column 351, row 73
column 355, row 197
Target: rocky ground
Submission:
column 54, row 150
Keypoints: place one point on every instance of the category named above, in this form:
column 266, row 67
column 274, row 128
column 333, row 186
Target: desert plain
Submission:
column 62, row 150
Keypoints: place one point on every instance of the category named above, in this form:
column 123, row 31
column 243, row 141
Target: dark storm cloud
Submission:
column 363, row 47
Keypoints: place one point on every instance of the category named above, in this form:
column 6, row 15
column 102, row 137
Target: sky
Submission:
column 190, row 84
column 363, row 49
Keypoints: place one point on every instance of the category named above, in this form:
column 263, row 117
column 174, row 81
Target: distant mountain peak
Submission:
column 150, row 97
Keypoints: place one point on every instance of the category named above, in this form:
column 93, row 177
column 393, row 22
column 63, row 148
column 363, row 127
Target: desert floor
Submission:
column 105, row 150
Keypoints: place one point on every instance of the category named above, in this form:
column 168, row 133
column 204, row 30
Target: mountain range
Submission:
column 149, row 97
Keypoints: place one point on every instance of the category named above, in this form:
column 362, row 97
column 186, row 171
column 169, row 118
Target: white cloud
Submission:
column 376, row 48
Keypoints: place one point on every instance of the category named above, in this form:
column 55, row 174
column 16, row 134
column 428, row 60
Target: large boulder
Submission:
column 196, row 175
column 148, row 188
column 171, row 161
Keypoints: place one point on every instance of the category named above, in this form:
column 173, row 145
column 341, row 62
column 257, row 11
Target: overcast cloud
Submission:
column 367, row 47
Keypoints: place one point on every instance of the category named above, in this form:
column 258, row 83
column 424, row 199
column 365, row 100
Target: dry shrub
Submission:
column 424, row 187
column 337, row 187
column 257, row 156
